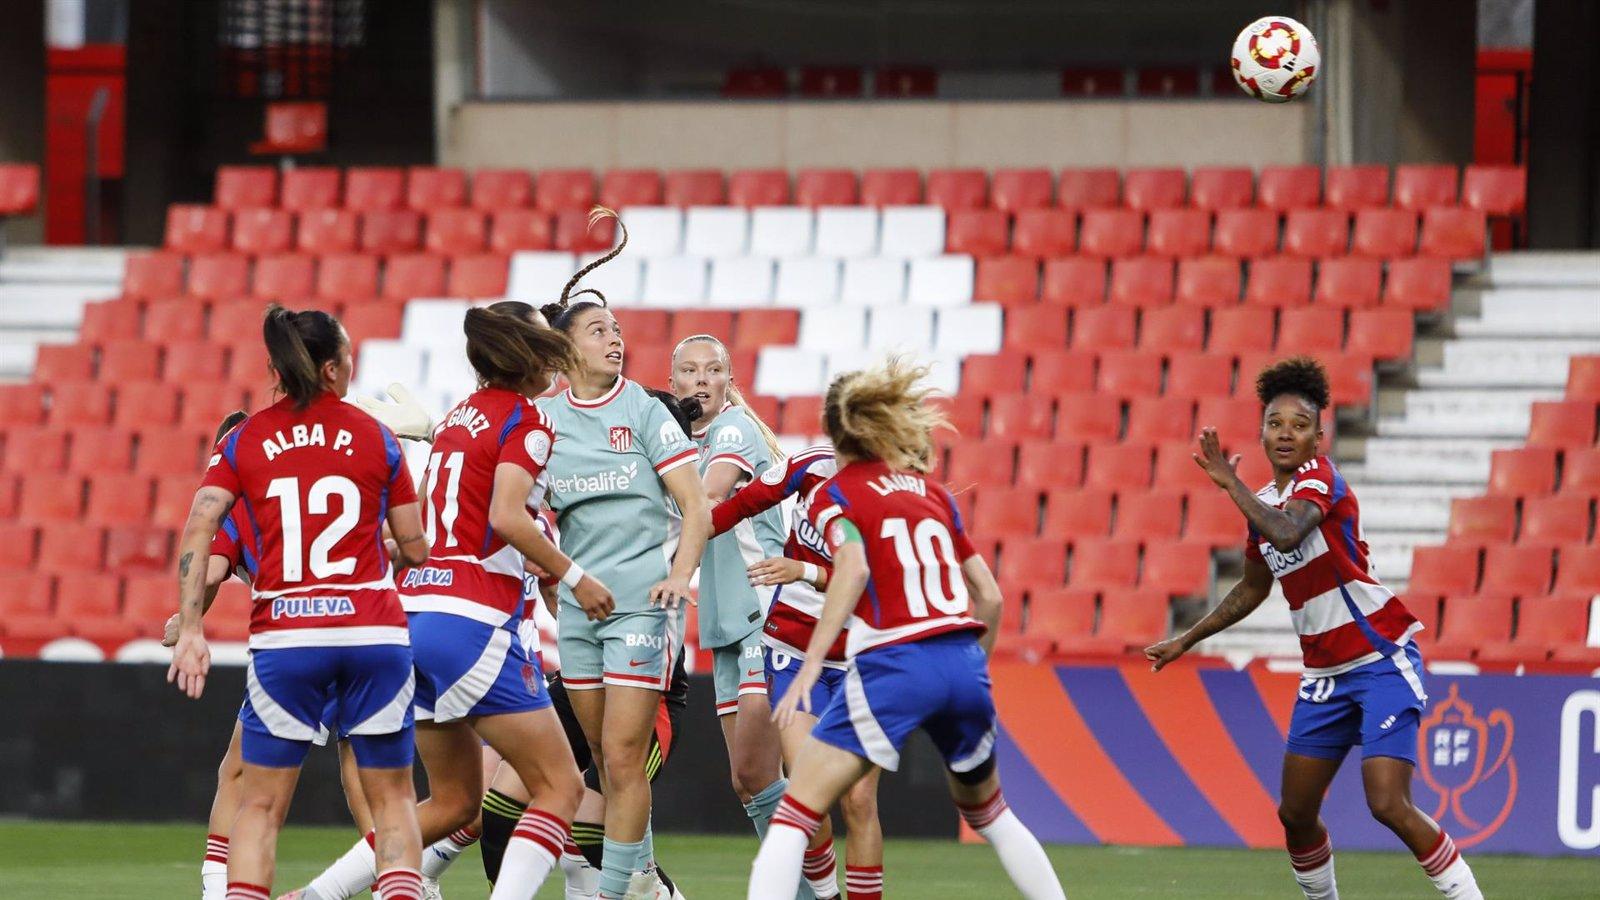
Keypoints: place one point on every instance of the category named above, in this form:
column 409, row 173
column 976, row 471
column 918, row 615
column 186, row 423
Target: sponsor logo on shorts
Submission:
column 312, row 607
column 636, row 663
column 654, row 641
column 428, row 576
column 752, row 652
column 1384, row 726
column 611, row 480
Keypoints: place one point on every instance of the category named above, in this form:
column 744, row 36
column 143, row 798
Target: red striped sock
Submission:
column 464, row 837
column 399, row 884
column 864, row 882
column 1304, row 859
column 982, row 815
column 821, row 869
column 797, row 815
column 1442, row 856
column 216, row 849
column 240, row 890
column 543, row 829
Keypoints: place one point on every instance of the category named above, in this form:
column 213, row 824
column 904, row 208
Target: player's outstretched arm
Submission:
column 844, row 589
column 689, row 493
column 191, row 658
column 218, row 568
column 514, row 523
column 401, row 413
column 986, row 598
column 1283, row 528
column 1240, row 602
column 783, row 570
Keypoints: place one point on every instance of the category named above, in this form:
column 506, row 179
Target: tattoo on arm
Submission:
column 183, row 564
column 1239, row 603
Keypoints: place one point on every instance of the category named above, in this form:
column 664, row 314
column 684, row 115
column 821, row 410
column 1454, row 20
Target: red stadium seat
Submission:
column 494, row 190
column 1044, row 233
column 21, row 542
column 174, row 321
column 1080, row 189
column 1470, row 622
column 51, row 498
column 110, row 320
column 1050, row 466
column 174, row 496
column 1008, row 280
column 1580, row 471
column 1088, row 417
column 1179, row 232
column 219, row 275
column 557, row 190
column 21, row 404
column 1451, row 570
column 374, row 188
column 1314, row 330
column 1006, row 512
column 1523, row 472
column 1061, row 372
column 63, row 362
column 1104, row 565
column 1157, row 419
column 1383, row 334
column 1148, row 189
column 132, row 548
column 1523, row 570
column 1316, row 233
column 1483, row 520
column 153, row 275
column 1035, row 327
column 830, row 81
column 206, row 402
column 1246, row 232
column 347, row 277
column 1418, row 284
column 891, row 187
column 285, row 277
column 1019, row 189
column 1099, row 328
column 1451, row 232
column 1207, row 281
column 130, row 361
column 1241, row 330
column 1350, row 378
column 1350, row 188
column 1559, row 519
column 956, row 189
column 246, row 187
column 310, row 187
column 391, row 231
column 100, row 449
column 1141, row 281
column 1111, row 232
column 409, row 275
column 1562, row 424
column 1579, row 572
column 1417, row 187
column 759, row 187
column 1583, row 378
column 766, row 327
column 1352, row 282
column 803, row 415
column 1199, row 375
column 455, row 231
column 1385, row 233
column 992, row 374
column 262, row 230
column 234, row 323
column 1172, row 328
column 826, row 187
column 1118, row 467
column 118, row 499
column 1495, row 190
column 1177, row 569
column 981, row 463
column 33, row 449
column 620, row 188
column 429, row 189
column 1236, row 419
column 146, row 403
column 192, row 361
column 1290, row 187
column 1168, row 81
column 1546, row 623
column 1144, row 516
column 172, row 451
column 1035, row 562
column 574, row 233
column 1176, row 469
column 1021, row 417
column 1061, row 614
column 706, row 321
column 1217, row 188
column 648, row 327
column 324, row 231
column 1212, row 519
column 1279, row 281
column 1074, row 281
column 84, row 597
column 1084, row 515
column 196, row 229
column 521, row 229
column 978, row 232
column 148, row 600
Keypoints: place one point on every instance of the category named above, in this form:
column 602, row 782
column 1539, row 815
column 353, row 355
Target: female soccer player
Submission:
column 1363, row 674
column 801, row 574
column 319, row 479
column 474, row 679
column 620, row 459
column 918, row 640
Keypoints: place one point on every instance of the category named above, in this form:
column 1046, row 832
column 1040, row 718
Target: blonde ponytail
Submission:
column 882, row 414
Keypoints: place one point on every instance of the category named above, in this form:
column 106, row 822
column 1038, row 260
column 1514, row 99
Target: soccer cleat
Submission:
column 647, row 885
column 430, row 889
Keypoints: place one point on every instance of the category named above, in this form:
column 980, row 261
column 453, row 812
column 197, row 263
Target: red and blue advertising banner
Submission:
column 1192, row 756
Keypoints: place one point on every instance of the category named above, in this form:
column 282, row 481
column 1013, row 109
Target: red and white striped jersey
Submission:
column 1344, row 616
column 470, row 570
column 915, row 544
column 316, row 486
column 795, row 608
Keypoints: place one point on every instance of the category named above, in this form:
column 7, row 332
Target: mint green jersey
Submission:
column 615, row 515
column 730, row 608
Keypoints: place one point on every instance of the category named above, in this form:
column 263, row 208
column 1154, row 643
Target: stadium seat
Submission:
column 1284, row 188
column 146, row 403
column 891, row 187
column 1081, row 189
column 455, row 231
column 1040, row 327
column 1314, row 330
column 374, row 188
column 63, row 362
column 246, row 187
column 1384, row 233
column 762, row 327
column 521, row 229
column 390, row 231
column 1179, row 232
column 1074, row 281
column 310, row 187
column 1418, row 187
column 173, row 497
column 575, row 234
column 1241, row 330
column 1279, row 281
column 1157, row 419
column 1149, row 189
column 980, row 463
column 347, row 277
column 22, row 404
column 324, row 231
column 1085, row 514
column 826, row 187
column 1522, row 570
column 219, row 275
column 1051, row 466
column 1583, row 378
column 1111, row 232
column 688, row 322
column 1214, row 188
column 79, row 403
column 1579, row 572
column 495, row 190
column 147, row 600
column 1207, row 281
column 1044, row 233
column 1176, row 569
column 196, row 229
column 1562, row 424
column 1007, row 280
column 247, row 361
column 873, row 280
column 156, row 274
column 234, row 323
column 1198, row 374
column 1523, row 472
column 1482, row 520
column 1021, row 417
column 1450, row 570
column 1350, row 188
column 1171, row 328
column 1058, row 371
column 1559, row 519
column 1352, row 282
column 1018, row 189
column 1099, row 328
column 110, row 320
column 755, row 81
column 1470, row 622
column 100, row 449
column 759, row 187
column 172, row 451
column 1211, row 518
column 564, row 190
column 1316, row 233
column 906, row 81
column 1545, row 625
column 84, row 597
column 622, row 188
column 1383, row 334
column 1101, row 564
column 21, row 542
column 978, row 232
column 1246, row 232
column 1006, row 512
column 408, row 275
column 1063, row 616
column 118, row 499
column 50, row 497
column 830, row 81
column 1089, row 417
column 205, row 402
column 1236, row 419
column 1451, row 232
column 1118, row 467
column 1421, row 284
column 1144, row 516
column 1037, row 562
column 991, row 374
column 430, row 189
column 1495, row 190
column 478, row 276
column 36, row 448
column 956, row 189
column 285, row 277
column 262, row 230
column 1141, row 281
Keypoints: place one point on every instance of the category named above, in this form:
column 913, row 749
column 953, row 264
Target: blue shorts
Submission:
column 940, row 685
column 782, row 666
column 362, row 692
column 470, row 668
column 1377, row 706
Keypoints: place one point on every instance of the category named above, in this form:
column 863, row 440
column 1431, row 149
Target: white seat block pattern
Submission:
column 653, row 230
column 941, row 281
column 874, row 280
column 435, row 324
column 716, row 231
column 450, row 374
column 833, row 328
column 789, row 372
column 906, row 328
column 912, row 231
column 847, row 231
column 741, row 281
column 963, row 330
column 674, row 281
column 619, row 280
column 807, row 281
column 385, row 361
column 537, row 277
column 781, row 231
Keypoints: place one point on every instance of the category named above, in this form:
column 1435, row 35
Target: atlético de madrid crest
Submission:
column 621, row 438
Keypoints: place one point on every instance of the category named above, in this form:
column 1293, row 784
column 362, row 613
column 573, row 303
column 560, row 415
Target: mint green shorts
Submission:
column 633, row 649
column 738, row 669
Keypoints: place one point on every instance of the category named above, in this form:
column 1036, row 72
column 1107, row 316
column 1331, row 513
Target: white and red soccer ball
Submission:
column 1275, row 59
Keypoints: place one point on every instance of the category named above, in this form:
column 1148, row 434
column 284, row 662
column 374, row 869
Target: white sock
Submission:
column 583, row 880
column 1449, row 872
column 530, row 856
column 1019, row 851
column 438, row 857
column 775, row 874
column 213, row 880
column 399, row 884
column 350, row 874
column 1313, row 870
column 820, row 868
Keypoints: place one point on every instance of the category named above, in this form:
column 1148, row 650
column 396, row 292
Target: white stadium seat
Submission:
column 789, row 372
column 807, row 281
column 940, row 281
column 976, row 328
column 874, row 280
column 71, row 649
column 143, row 650
column 850, row 359
column 847, row 231
column 781, row 231
column 383, row 362
column 900, row 328
column 912, row 231
column 833, row 328
column 654, row 230
column 450, row 373
column 537, row 277
column 741, row 281
column 674, row 281
column 716, row 231
column 435, row 324
column 618, row 280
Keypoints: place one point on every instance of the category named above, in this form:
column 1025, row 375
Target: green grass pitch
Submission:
column 133, row 862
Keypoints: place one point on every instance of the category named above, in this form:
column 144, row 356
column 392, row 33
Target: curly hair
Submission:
column 1301, row 376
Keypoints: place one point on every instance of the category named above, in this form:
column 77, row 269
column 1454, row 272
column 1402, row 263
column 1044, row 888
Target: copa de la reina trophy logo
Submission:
column 1467, row 760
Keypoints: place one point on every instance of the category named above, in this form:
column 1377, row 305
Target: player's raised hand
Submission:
column 401, row 413
column 777, row 570
column 797, row 697
column 671, row 593
column 1164, row 652
column 1211, row 458
column 191, row 660
column 594, row 598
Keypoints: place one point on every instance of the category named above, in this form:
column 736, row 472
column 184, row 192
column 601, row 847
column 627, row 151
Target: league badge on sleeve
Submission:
column 537, row 443
column 621, row 438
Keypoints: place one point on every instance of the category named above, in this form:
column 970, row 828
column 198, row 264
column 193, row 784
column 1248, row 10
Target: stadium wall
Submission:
column 901, row 133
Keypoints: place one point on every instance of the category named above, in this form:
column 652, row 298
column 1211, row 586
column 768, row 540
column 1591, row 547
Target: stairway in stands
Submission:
column 43, row 291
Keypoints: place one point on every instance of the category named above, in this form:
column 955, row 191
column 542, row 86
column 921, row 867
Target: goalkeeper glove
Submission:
column 401, row 413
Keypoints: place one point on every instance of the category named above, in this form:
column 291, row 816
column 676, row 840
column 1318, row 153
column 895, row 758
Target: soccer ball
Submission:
column 1275, row 59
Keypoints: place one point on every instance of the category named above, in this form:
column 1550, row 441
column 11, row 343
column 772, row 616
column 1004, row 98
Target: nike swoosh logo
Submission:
column 636, row 663
column 752, row 674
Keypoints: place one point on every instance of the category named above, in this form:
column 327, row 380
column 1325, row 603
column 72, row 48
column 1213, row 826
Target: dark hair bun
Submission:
column 1302, row 376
